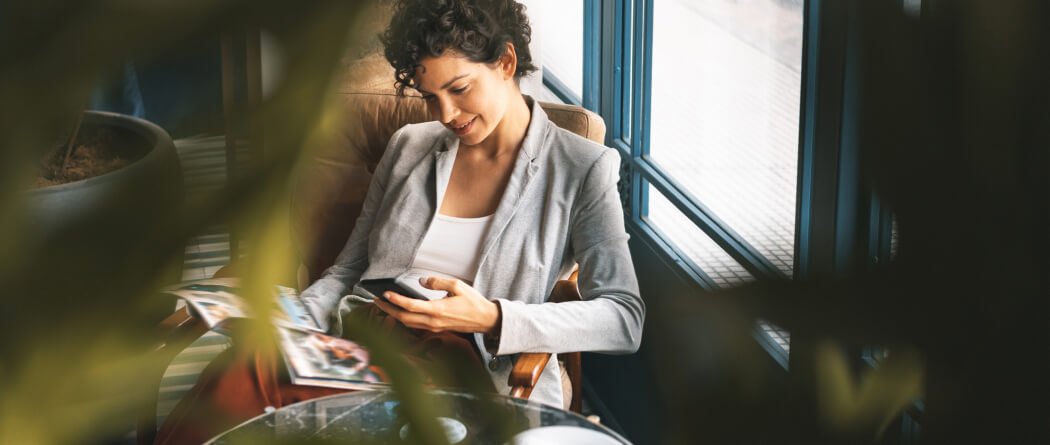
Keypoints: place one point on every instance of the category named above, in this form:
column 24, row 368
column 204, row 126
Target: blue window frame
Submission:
column 618, row 56
column 592, row 21
column 618, row 84
column 840, row 227
column 564, row 93
column 625, row 104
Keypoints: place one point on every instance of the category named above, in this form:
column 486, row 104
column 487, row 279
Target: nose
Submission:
column 446, row 111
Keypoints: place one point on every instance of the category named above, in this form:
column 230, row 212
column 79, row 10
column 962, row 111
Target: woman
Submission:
column 491, row 201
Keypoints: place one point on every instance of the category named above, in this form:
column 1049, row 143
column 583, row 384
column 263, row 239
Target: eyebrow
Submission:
column 446, row 85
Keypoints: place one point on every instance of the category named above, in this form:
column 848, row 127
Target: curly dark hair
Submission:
column 476, row 29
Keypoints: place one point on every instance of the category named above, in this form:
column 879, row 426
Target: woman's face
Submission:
column 469, row 98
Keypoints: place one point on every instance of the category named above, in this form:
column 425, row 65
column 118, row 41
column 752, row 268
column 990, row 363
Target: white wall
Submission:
column 533, row 83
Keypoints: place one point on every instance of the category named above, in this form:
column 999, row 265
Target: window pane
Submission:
column 561, row 39
column 725, row 109
column 714, row 261
column 779, row 336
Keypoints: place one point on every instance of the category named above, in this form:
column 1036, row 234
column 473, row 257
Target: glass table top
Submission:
column 379, row 417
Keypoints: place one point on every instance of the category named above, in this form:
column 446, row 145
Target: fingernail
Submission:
column 423, row 280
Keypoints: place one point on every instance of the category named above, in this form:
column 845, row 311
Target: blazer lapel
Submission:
column 444, row 159
column 525, row 168
column 423, row 206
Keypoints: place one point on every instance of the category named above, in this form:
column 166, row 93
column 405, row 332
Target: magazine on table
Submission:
column 217, row 301
column 312, row 358
column 316, row 359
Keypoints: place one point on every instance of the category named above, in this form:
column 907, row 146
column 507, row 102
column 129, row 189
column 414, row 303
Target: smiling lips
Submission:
column 463, row 129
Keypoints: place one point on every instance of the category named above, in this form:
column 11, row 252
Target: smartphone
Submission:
column 378, row 286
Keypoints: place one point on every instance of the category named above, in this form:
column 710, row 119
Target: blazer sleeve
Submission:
column 610, row 317
column 322, row 297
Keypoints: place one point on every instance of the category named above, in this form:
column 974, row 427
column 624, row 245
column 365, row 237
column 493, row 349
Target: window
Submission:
column 703, row 99
column 737, row 163
column 726, row 84
column 560, row 31
column 721, row 268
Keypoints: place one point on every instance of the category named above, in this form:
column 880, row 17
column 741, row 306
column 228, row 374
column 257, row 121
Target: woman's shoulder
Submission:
column 573, row 152
column 411, row 142
column 421, row 136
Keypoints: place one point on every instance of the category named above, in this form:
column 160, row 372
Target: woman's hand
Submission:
column 463, row 310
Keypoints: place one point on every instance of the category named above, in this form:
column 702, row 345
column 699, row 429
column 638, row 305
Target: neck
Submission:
column 510, row 133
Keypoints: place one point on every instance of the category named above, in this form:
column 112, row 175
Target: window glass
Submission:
column 714, row 261
column 560, row 26
column 779, row 336
column 705, row 253
column 726, row 83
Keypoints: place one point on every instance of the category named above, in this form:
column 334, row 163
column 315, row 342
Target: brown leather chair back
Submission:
column 332, row 181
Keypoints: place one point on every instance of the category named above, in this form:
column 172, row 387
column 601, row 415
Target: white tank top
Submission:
column 452, row 246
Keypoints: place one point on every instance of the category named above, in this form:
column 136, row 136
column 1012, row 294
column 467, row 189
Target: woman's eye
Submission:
column 459, row 90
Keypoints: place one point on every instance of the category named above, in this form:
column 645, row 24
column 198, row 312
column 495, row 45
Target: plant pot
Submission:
column 104, row 228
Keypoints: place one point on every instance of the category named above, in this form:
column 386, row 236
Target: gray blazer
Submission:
column 561, row 207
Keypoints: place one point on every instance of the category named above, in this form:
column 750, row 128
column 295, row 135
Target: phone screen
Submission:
column 376, row 287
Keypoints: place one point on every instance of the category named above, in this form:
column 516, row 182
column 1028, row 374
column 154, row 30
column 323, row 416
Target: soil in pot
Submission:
column 97, row 151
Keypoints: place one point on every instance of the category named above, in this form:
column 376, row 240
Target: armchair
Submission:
column 327, row 199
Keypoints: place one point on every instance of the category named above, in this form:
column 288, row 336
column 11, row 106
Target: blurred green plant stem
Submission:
column 75, row 315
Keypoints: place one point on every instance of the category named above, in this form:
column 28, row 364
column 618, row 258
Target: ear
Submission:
column 508, row 63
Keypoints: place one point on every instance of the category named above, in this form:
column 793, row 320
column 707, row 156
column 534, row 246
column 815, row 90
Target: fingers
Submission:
column 401, row 303
column 459, row 312
column 388, row 307
column 409, row 304
column 450, row 285
column 411, row 319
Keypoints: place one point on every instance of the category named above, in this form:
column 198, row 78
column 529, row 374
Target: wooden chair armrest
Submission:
column 564, row 291
column 530, row 365
column 526, row 373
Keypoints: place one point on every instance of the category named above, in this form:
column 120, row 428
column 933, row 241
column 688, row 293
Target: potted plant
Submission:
column 106, row 188
column 115, row 169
